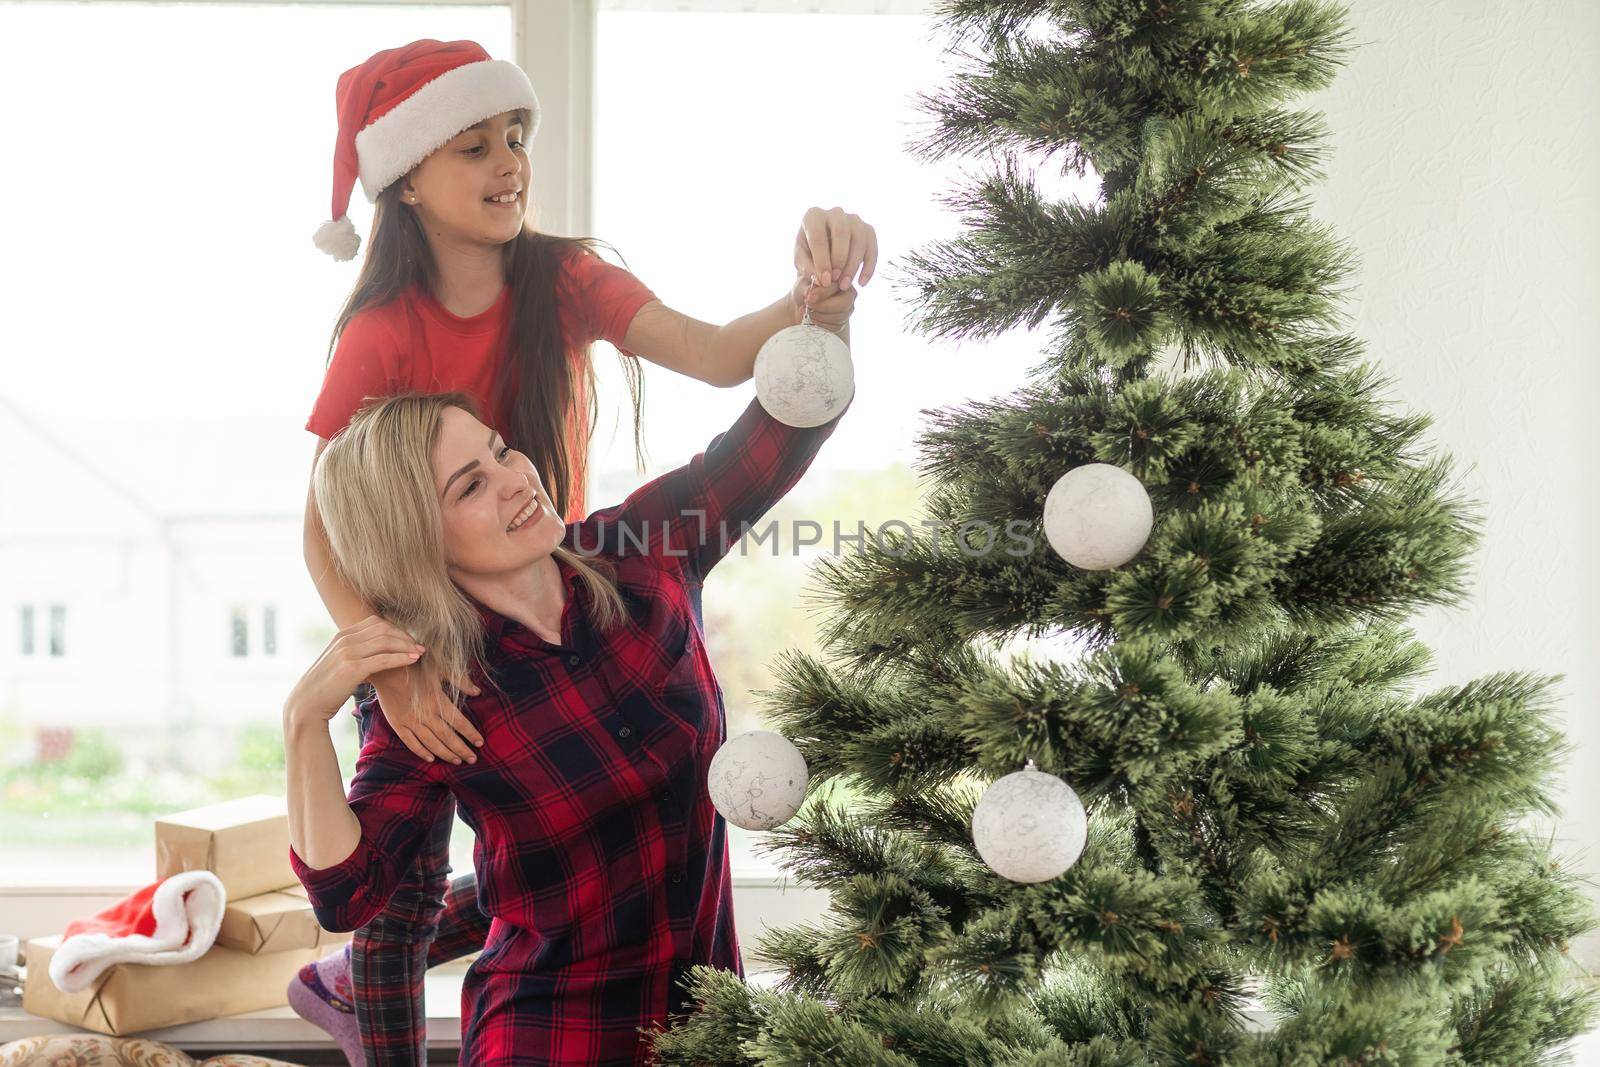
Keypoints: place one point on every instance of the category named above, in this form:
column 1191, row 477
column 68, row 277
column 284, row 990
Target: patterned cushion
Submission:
column 94, row 1050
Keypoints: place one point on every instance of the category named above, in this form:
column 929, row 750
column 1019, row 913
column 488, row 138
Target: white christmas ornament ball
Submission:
column 1097, row 516
column 757, row 779
column 804, row 375
column 1029, row 826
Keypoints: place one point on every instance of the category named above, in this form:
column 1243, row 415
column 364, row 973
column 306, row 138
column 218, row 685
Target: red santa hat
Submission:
column 174, row 920
column 400, row 106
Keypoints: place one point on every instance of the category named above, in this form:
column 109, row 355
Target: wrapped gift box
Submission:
column 244, row 842
column 275, row 922
column 133, row 997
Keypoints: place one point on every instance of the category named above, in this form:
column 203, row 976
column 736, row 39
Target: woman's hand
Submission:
column 355, row 654
column 829, row 248
column 438, row 728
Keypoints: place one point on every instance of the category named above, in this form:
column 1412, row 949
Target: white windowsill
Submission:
column 281, row 1028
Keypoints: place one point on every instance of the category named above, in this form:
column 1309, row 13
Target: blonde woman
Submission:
column 601, row 862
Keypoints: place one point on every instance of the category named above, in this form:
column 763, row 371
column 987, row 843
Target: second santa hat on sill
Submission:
column 400, row 106
column 174, row 920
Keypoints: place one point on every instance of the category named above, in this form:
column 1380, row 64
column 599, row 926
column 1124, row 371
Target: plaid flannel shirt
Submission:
column 600, row 858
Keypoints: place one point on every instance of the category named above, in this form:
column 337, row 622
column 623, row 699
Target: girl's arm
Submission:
column 733, row 353
column 351, row 854
column 723, row 356
column 342, row 602
column 733, row 348
column 440, row 732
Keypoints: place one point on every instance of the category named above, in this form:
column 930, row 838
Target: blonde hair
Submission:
column 374, row 489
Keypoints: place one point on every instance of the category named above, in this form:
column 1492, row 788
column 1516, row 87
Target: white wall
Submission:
column 1465, row 142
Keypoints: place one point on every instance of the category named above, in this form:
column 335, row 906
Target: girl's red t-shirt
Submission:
column 414, row 343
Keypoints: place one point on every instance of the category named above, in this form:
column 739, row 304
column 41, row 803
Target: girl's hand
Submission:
column 355, row 654
column 830, row 247
column 830, row 311
column 438, row 728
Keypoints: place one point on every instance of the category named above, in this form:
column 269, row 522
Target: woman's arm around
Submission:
column 352, row 853
column 322, row 828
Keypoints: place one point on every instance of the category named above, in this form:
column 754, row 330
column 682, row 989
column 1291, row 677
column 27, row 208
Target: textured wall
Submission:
column 1465, row 170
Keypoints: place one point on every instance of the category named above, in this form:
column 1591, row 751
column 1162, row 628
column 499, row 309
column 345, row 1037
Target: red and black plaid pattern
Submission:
column 415, row 931
column 600, row 858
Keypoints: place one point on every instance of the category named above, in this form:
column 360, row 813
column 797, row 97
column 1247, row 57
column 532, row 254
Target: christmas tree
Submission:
column 1295, row 854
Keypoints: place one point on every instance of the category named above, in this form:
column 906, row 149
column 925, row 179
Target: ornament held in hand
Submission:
column 757, row 779
column 804, row 374
column 1029, row 826
column 1097, row 516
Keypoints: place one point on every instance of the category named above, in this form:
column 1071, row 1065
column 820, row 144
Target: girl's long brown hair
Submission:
column 536, row 379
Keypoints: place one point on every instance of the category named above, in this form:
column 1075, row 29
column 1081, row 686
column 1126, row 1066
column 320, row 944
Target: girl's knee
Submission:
column 395, row 930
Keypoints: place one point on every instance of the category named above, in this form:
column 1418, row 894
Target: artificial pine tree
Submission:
column 1276, row 816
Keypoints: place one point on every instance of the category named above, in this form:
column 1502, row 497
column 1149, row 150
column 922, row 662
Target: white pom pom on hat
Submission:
column 400, row 106
column 338, row 238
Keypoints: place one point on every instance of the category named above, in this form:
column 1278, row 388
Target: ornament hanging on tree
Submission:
column 757, row 779
column 1097, row 516
column 804, row 375
column 1029, row 826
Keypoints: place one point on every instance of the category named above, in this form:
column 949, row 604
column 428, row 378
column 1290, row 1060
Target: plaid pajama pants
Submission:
column 430, row 920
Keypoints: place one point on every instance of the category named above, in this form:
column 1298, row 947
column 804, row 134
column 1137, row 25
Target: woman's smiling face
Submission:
column 497, row 516
column 464, row 188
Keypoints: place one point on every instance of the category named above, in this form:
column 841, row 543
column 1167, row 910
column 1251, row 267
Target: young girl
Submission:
column 602, row 861
column 457, row 293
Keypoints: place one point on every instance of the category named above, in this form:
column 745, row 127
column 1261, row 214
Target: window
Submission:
column 53, row 631
column 747, row 165
column 220, row 297
column 265, row 618
column 177, row 300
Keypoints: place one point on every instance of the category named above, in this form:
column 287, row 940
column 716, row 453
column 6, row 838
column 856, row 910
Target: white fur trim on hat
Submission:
column 187, row 907
column 414, row 128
